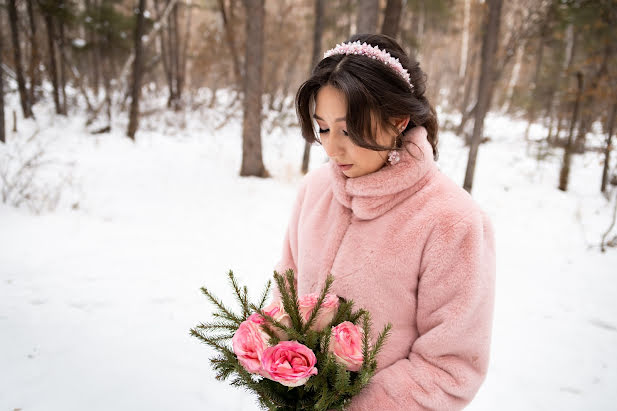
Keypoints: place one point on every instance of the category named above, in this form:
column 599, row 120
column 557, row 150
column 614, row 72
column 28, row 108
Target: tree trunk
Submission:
column 21, row 82
column 174, row 47
column 170, row 46
column 229, row 34
column 567, row 152
column 316, row 58
column 252, row 163
column 489, row 48
column 556, row 94
column 588, row 100
column 462, row 69
column 2, row 128
column 177, row 49
column 276, row 64
column 185, row 48
column 137, row 72
column 392, row 18
column 93, row 57
column 106, row 71
column 61, row 47
column 368, row 11
column 608, row 147
column 469, row 81
column 350, row 23
column 34, row 57
column 518, row 60
column 165, row 55
column 53, row 71
column 417, row 21
column 531, row 113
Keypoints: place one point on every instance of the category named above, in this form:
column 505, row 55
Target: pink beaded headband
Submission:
column 373, row 52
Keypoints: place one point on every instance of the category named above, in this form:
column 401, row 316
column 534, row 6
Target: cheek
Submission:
column 368, row 158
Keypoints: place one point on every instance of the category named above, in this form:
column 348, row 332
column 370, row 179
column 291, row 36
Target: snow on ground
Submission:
column 96, row 302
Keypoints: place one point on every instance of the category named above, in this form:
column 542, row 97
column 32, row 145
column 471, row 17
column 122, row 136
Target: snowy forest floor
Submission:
column 98, row 296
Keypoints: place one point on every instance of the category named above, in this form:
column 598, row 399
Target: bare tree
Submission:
column 555, row 96
column 545, row 33
column 34, row 56
column 94, row 53
column 182, row 75
column 608, row 147
column 489, row 47
column 137, row 72
column 317, row 36
column 228, row 24
column 2, row 129
column 368, row 11
column 515, row 36
column 21, row 82
column 174, row 51
column 392, row 18
column 590, row 96
column 61, row 56
column 121, row 78
column 252, row 163
column 465, row 41
column 564, row 174
column 51, row 45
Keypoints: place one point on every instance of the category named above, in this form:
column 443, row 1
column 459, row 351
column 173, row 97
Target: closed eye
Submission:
column 321, row 131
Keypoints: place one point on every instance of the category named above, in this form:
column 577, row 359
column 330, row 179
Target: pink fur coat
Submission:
column 413, row 248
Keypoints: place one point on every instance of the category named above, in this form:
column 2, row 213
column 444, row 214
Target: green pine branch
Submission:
column 381, row 339
column 217, row 326
column 264, row 295
column 344, row 312
column 366, row 326
column 333, row 386
column 240, row 296
column 289, row 298
column 224, row 312
column 320, row 300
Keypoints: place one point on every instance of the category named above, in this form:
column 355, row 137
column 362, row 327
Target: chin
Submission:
column 348, row 173
column 351, row 173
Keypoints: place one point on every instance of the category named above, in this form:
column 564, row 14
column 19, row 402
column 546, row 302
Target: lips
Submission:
column 344, row 166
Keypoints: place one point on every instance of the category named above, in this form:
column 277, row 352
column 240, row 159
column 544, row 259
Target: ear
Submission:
column 401, row 123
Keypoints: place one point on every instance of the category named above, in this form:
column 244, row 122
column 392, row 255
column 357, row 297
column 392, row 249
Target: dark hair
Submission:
column 373, row 91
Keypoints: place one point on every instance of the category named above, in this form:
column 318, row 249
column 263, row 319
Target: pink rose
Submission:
column 256, row 319
column 249, row 342
column 277, row 312
column 328, row 309
column 346, row 345
column 289, row 363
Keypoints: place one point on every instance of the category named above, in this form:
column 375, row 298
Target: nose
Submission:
column 334, row 145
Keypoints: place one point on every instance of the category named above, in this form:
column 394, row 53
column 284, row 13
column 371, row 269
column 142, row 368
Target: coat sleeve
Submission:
column 455, row 301
column 289, row 255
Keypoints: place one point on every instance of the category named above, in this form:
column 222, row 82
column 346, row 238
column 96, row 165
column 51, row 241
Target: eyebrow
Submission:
column 337, row 120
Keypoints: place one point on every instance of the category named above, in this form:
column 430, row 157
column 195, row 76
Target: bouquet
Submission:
column 310, row 352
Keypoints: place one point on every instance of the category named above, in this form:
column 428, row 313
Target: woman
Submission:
column 401, row 239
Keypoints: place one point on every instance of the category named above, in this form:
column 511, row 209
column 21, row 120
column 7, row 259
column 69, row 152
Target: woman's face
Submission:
column 353, row 161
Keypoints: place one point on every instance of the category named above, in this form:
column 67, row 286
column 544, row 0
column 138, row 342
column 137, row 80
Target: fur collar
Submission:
column 374, row 194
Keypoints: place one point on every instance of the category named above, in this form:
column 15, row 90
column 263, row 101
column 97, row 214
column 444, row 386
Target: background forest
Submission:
column 148, row 146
